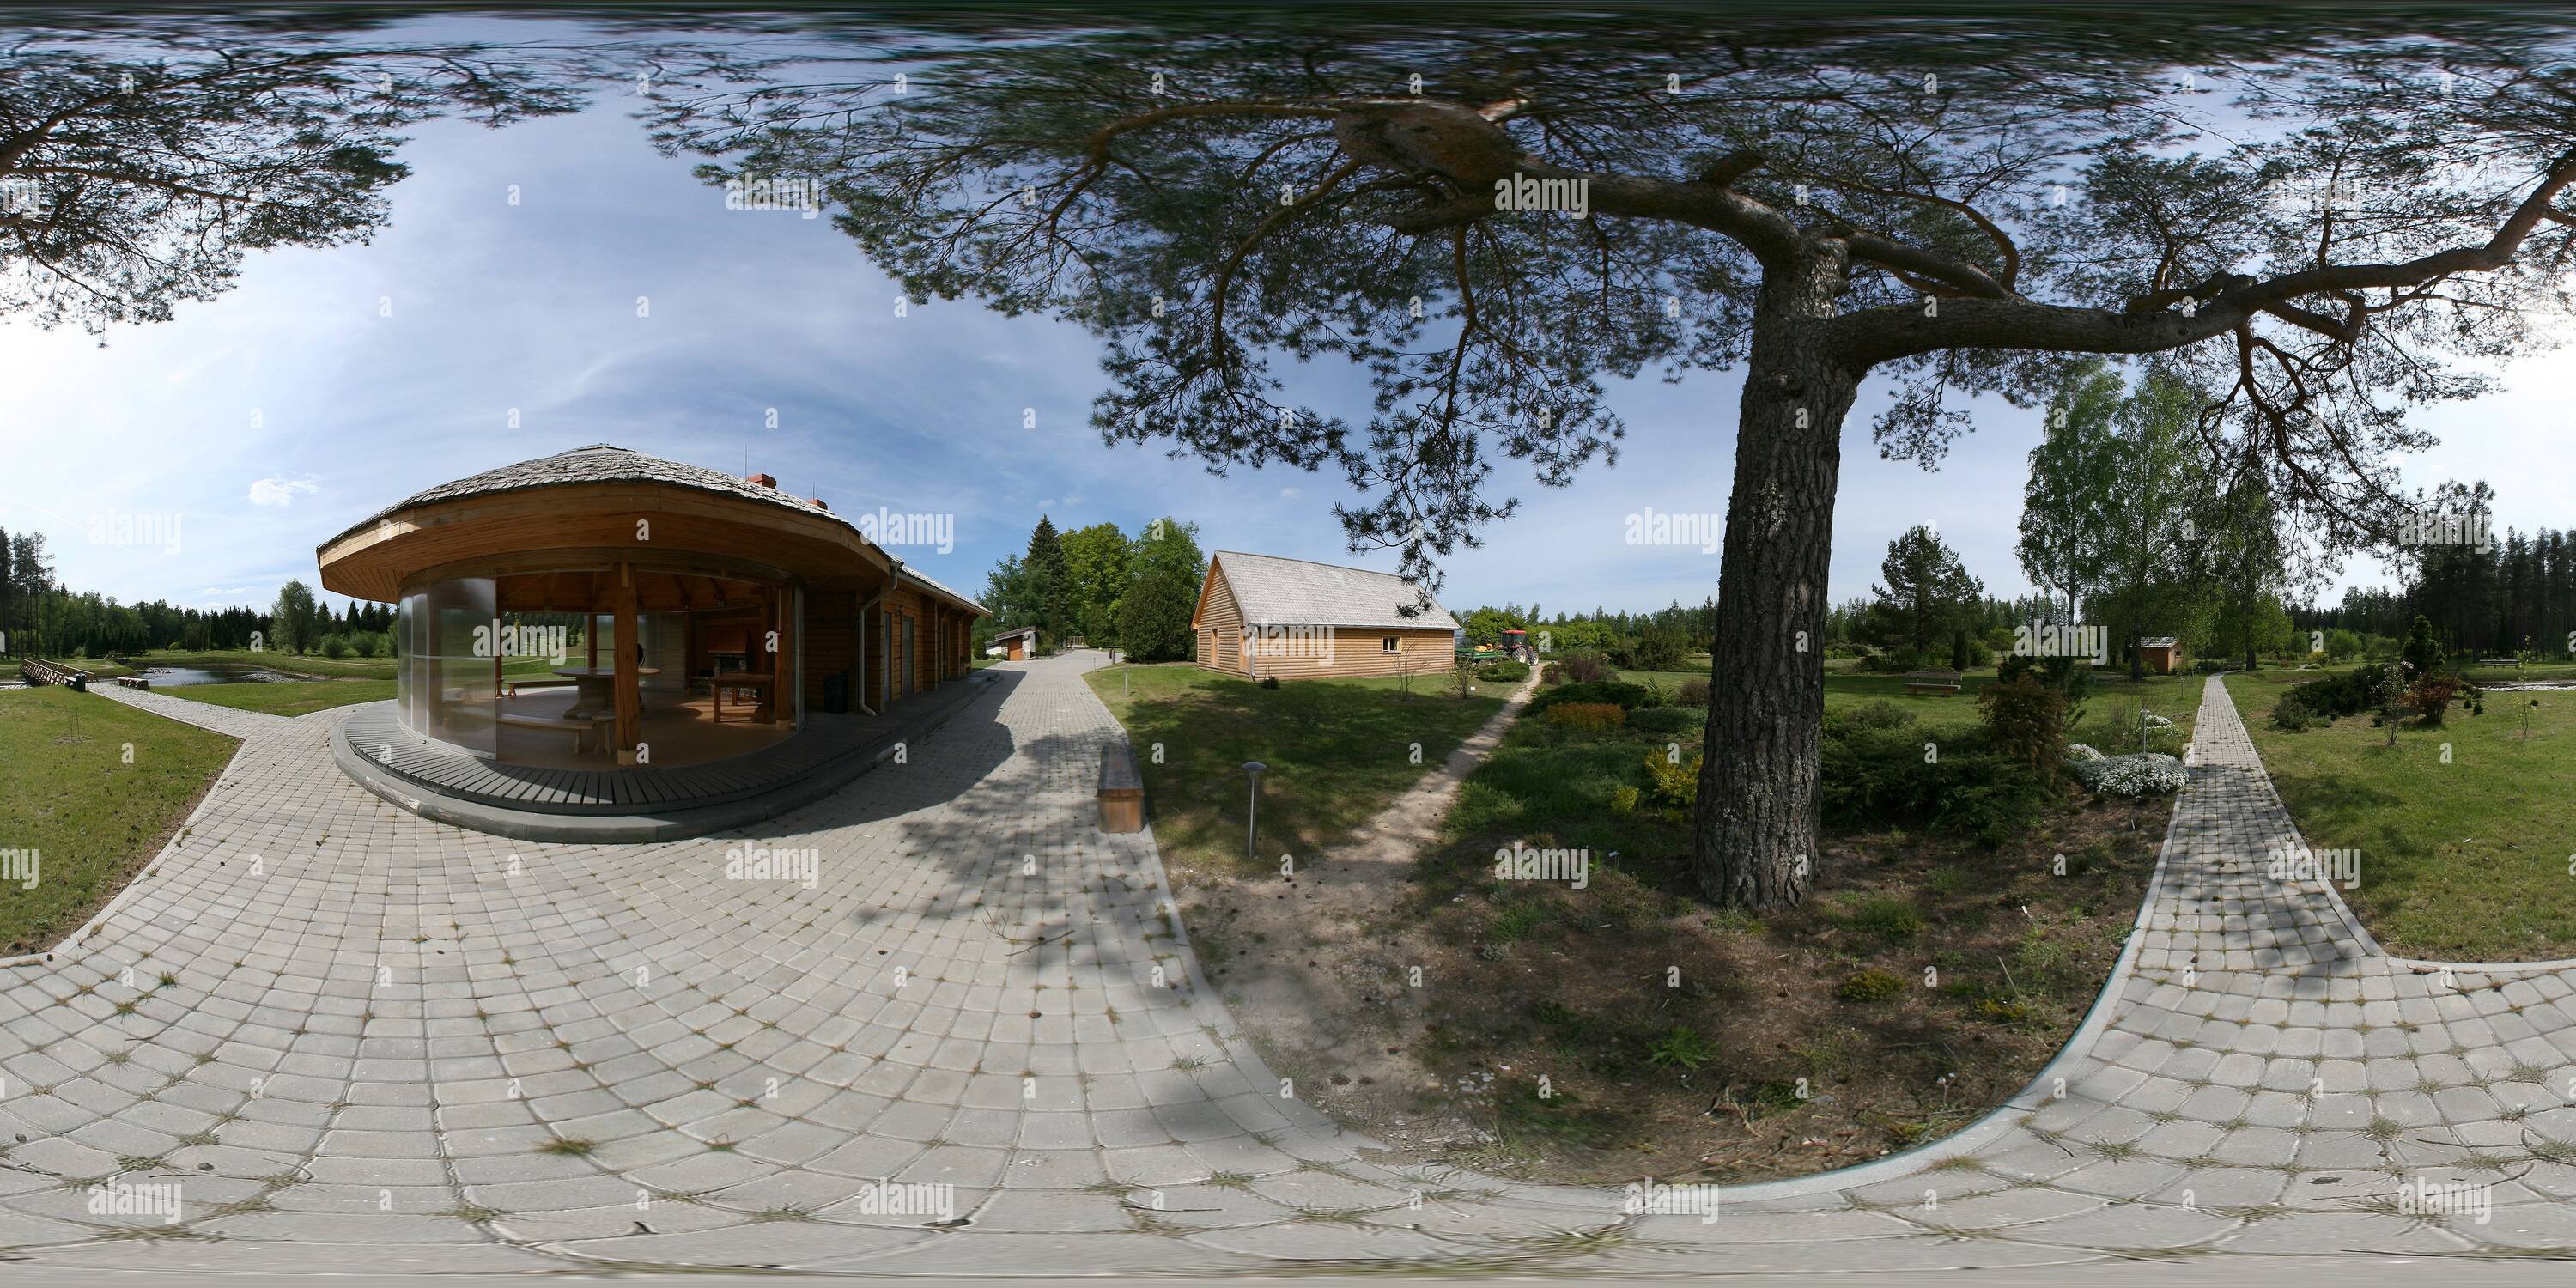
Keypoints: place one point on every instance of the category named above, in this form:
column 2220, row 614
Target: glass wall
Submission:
column 447, row 684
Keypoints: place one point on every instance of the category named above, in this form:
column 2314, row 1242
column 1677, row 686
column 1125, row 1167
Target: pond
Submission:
column 172, row 677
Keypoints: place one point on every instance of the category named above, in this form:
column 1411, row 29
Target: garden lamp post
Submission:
column 1252, row 812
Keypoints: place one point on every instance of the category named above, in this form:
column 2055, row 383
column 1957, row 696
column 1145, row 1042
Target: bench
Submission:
column 1931, row 682
column 512, row 687
column 582, row 729
column 1122, row 791
column 134, row 682
column 2514, row 662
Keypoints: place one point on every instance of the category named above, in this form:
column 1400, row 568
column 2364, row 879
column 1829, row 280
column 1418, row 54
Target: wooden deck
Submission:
column 376, row 734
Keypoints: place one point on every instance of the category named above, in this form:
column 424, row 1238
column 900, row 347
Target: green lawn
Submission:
column 2464, row 860
column 286, row 697
column 2175, row 697
column 68, row 793
column 1338, row 751
column 2111, row 708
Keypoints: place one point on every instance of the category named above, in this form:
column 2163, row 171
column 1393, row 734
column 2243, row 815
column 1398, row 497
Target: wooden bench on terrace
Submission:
column 1122, row 791
column 1931, row 682
column 512, row 687
column 584, row 729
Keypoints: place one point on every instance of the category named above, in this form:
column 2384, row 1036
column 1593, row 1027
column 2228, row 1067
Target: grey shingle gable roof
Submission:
column 602, row 463
column 1272, row 591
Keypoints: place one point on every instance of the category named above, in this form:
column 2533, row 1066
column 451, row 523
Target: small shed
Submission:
column 1261, row 616
column 2161, row 654
column 1017, row 645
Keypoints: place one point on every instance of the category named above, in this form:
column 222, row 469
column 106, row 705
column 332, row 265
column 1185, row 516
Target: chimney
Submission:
column 818, row 504
column 761, row 479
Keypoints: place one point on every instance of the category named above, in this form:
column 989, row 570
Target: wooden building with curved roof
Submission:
column 701, row 616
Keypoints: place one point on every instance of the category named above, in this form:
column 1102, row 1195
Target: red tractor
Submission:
column 1516, row 646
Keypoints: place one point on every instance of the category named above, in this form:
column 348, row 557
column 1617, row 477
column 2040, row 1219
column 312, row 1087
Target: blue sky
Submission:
column 331, row 383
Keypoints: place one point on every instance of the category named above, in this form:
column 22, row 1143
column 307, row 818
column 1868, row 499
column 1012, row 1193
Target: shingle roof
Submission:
column 602, row 463
column 2158, row 641
column 1272, row 591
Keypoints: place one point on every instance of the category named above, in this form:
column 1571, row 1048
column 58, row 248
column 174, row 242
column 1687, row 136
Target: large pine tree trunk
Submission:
column 1755, row 839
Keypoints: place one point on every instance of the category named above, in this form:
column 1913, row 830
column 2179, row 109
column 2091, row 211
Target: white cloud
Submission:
column 280, row 491
column 1290, row 493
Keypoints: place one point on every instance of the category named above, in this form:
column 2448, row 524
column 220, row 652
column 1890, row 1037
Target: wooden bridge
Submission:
column 39, row 671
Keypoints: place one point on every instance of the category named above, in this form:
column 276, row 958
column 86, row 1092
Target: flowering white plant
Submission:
column 2146, row 773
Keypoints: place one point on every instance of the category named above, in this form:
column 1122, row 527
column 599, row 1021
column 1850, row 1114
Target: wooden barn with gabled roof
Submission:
column 1260, row 616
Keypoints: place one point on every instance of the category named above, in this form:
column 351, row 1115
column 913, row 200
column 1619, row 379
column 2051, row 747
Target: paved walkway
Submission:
column 204, row 715
column 354, row 1038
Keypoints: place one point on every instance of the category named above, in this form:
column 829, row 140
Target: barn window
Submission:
column 1388, row 644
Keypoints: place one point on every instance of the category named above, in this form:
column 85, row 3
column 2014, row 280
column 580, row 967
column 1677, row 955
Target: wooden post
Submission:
column 630, row 698
column 784, row 689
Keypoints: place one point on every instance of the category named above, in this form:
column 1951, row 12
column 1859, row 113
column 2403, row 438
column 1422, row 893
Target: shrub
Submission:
column 1576, row 668
column 367, row 643
column 2026, row 720
column 1624, row 800
column 2145, row 773
column 1870, row 985
column 2430, row 698
column 2072, row 677
column 2423, row 653
column 1660, row 648
column 335, row 646
column 1504, row 672
column 2363, row 688
column 1594, row 717
column 1674, row 785
column 2004, row 801
column 1694, row 693
column 1615, row 692
column 1878, row 714
column 1583, row 668
column 2291, row 713
column 1669, row 721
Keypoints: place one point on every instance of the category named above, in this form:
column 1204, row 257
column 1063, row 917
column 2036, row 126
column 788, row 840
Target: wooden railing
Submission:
column 38, row 671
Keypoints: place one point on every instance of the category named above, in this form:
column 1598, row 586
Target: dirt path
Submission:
column 1319, row 979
